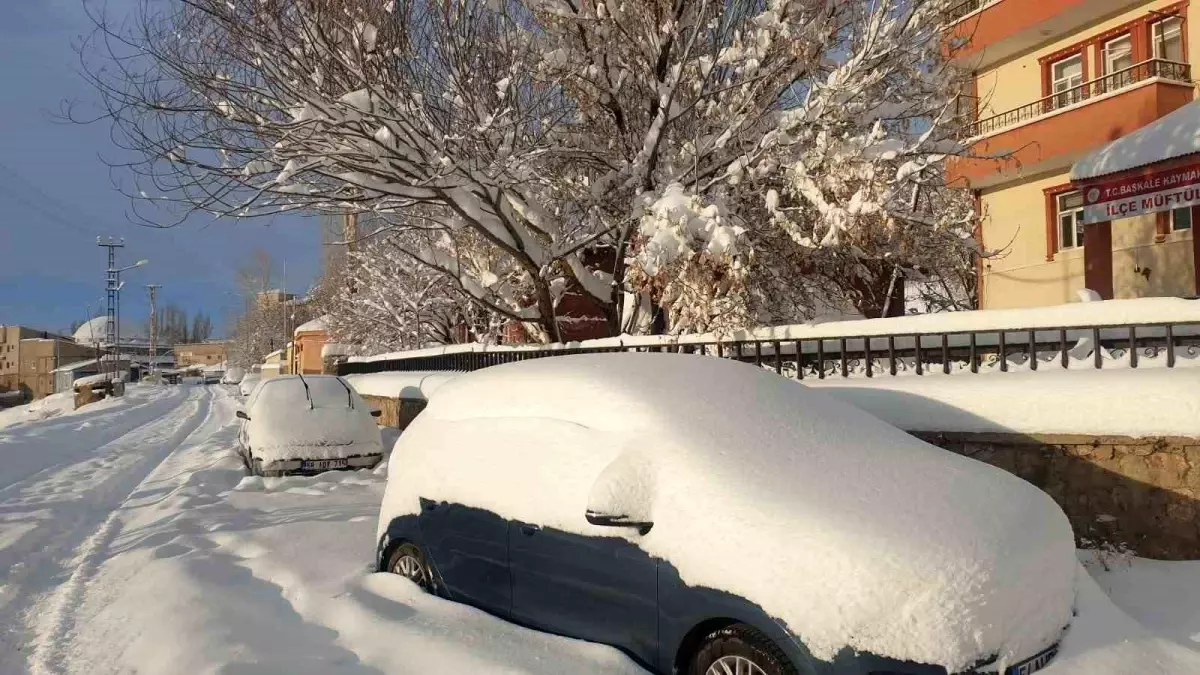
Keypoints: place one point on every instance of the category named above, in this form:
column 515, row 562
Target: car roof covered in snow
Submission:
column 855, row 534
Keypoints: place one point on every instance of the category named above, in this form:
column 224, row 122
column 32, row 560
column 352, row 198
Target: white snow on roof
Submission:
column 317, row 324
column 851, row 532
column 1155, row 402
column 74, row 366
column 1175, row 135
column 334, row 349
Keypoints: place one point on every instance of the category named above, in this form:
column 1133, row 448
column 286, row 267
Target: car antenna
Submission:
column 349, row 394
column 307, row 393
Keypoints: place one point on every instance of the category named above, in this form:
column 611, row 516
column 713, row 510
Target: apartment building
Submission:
column 1058, row 84
column 29, row 357
column 200, row 354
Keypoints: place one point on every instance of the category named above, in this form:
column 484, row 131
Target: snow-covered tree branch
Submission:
column 687, row 153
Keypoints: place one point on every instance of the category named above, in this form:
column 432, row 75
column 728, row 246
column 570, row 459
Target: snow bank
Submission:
column 1156, row 402
column 847, row 529
column 50, row 406
column 326, row 421
column 399, row 385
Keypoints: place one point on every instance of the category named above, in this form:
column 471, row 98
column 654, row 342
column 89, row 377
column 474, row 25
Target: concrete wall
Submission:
column 202, row 353
column 1137, row 492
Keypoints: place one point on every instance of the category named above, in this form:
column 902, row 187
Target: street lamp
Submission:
column 116, row 273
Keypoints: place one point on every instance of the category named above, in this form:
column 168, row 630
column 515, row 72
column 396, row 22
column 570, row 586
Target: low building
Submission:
column 200, row 354
column 28, row 359
column 308, row 341
column 272, row 364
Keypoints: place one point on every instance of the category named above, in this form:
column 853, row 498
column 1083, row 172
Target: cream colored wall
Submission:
column 1143, row 268
column 1018, row 81
column 1020, row 276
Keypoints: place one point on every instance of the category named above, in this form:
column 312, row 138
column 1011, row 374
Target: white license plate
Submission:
column 323, row 464
column 1034, row 664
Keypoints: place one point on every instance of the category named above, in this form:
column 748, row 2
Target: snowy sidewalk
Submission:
column 146, row 549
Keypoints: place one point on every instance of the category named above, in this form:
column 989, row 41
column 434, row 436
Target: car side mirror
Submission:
column 610, row 520
column 623, row 494
column 241, row 414
column 376, row 413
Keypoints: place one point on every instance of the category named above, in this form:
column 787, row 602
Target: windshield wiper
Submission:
column 307, row 393
column 349, row 394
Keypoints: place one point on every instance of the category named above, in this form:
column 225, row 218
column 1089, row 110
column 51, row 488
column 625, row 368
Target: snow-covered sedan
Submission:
column 247, row 383
column 298, row 424
column 708, row 517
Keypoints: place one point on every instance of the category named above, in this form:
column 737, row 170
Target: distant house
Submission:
column 200, row 354
column 308, row 342
column 28, row 359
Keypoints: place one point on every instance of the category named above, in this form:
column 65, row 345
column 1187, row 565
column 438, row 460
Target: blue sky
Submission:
column 56, row 197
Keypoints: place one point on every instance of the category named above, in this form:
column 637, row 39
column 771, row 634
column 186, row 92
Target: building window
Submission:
column 1067, row 76
column 1070, row 220
column 1117, row 59
column 1181, row 219
column 1167, row 38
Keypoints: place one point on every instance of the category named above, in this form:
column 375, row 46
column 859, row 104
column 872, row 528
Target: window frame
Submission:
column 1106, row 54
column 1076, row 212
column 1171, row 227
column 1054, row 80
column 1178, row 35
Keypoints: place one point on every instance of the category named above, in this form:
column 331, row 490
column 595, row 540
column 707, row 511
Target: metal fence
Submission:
column 1170, row 70
column 1003, row 350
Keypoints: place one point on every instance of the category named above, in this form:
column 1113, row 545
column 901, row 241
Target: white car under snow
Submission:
column 306, row 425
column 705, row 515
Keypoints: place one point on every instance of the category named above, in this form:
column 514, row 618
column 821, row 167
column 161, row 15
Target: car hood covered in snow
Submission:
column 849, row 531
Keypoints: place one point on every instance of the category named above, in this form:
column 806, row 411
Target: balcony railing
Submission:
column 1169, row 70
column 964, row 8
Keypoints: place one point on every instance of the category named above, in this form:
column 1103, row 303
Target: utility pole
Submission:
column 153, row 290
column 110, row 326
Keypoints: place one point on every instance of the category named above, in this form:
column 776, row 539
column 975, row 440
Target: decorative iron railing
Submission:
column 1169, row 70
column 962, row 9
column 1010, row 349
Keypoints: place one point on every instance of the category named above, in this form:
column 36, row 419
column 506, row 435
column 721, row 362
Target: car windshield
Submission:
column 325, row 392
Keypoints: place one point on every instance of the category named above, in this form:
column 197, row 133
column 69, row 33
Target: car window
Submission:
column 323, row 392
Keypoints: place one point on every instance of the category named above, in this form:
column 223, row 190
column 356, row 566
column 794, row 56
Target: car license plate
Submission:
column 1034, row 664
column 326, row 464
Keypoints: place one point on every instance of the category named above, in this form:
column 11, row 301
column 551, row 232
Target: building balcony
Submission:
column 1053, row 131
column 985, row 32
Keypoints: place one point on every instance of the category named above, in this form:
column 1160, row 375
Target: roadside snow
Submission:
column 1157, row 402
column 50, row 406
column 198, row 569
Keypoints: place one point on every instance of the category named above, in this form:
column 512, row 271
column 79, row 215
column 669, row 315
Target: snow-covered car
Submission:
column 298, row 424
column 233, row 375
column 247, row 384
column 707, row 516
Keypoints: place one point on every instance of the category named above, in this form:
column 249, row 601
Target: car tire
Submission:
column 739, row 650
column 408, row 561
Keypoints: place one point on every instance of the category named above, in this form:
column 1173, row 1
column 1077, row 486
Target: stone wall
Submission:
column 1140, row 493
column 397, row 413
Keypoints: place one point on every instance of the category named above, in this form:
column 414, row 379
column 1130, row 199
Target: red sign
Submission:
column 1146, row 193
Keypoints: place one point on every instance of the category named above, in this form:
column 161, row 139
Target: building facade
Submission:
column 1054, row 82
column 200, row 354
column 28, row 359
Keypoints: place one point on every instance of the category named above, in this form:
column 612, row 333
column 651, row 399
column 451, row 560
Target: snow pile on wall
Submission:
column 1140, row 311
column 1156, row 402
column 399, row 385
column 849, row 530
column 317, row 324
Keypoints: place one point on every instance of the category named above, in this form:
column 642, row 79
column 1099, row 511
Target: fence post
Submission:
column 945, row 353
column 1033, row 350
column 820, row 359
column 917, row 349
column 867, row 355
column 1133, row 357
column 778, row 358
column 1003, row 352
column 845, row 366
column 974, row 365
column 1170, row 347
column 1097, row 359
column 892, row 354
column 799, row 362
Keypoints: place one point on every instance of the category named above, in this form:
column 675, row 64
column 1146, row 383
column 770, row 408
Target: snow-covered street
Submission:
column 131, row 541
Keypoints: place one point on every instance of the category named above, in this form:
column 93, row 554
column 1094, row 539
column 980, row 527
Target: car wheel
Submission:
column 409, row 562
column 739, row 650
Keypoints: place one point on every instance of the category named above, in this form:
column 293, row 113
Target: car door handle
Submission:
column 529, row 530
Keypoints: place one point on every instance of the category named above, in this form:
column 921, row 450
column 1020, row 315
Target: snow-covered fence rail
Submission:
column 1157, row 332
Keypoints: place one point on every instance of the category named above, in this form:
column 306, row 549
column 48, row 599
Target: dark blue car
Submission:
column 710, row 518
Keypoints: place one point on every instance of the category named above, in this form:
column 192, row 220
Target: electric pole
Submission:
column 153, row 290
column 110, row 326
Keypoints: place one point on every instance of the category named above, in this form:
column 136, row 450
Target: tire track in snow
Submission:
column 68, row 546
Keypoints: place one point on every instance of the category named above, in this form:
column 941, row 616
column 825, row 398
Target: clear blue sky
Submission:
column 56, row 197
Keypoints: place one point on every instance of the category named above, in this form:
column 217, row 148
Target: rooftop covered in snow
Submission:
column 1170, row 137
